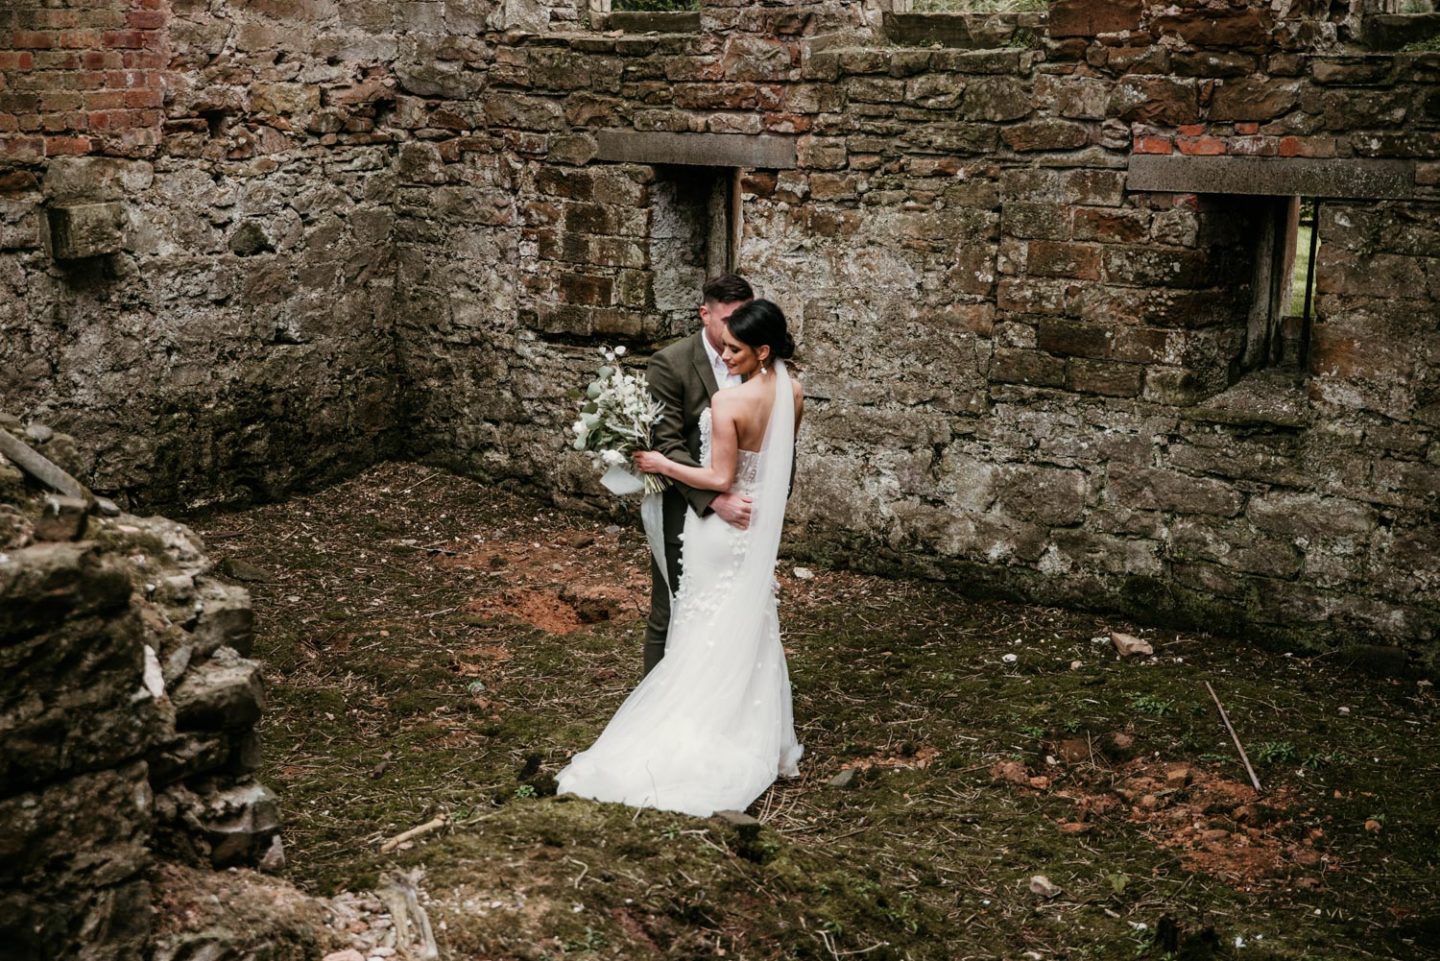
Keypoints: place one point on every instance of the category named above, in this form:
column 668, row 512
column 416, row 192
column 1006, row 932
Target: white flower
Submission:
column 620, row 351
column 613, row 458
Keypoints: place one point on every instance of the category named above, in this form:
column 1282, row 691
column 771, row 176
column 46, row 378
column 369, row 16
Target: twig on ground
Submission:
column 1235, row 737
column 429, row 827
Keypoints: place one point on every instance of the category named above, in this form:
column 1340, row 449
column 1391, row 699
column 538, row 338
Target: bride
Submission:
column 711, row 727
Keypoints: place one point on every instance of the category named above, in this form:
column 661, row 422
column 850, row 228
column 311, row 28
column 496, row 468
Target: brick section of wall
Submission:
column 80, row 78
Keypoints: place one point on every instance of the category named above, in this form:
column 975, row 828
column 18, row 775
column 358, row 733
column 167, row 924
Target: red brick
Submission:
column 131, row 39
column 54, row 123
column 32, row 40
column 140, row 99
column 1253, row 146
column 80, row 39
column 22, row 148
column 146, row 19
column 1190, row 129
column 41, row 19
column 56, row 60
column 1289, row 147
column 8, row 123
column 1200, row 146
column 108, row 120
column 1158, row 145
column 144, row 60
column 16, row 60
column 1318, row 147
column 59, row 101
column 1248, row 129
column 66, row 146
column 101, row 59
column 105, row 100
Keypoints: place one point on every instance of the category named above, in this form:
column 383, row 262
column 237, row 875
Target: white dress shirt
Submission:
column 723, row 377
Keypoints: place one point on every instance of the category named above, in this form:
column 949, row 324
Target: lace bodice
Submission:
column 747, row 462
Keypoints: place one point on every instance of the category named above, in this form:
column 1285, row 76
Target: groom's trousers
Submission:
column 657, row 625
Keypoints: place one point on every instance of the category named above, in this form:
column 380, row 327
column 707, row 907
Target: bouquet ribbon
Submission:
column 621, row 481
column 652, row 515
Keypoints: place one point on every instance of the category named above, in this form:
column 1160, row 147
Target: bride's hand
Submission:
column 650, row 462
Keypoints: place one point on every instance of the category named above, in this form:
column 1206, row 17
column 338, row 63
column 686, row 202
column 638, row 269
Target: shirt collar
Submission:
column 712, row 353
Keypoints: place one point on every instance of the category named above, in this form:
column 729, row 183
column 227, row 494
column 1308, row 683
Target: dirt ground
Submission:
column 435, row 646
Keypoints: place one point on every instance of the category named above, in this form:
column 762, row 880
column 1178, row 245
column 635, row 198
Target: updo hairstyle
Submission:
column 760, row 323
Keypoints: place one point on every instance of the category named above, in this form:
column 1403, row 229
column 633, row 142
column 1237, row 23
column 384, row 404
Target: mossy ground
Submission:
column 407, row 678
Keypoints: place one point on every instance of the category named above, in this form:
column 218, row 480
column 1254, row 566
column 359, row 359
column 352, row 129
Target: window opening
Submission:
column 1302, row 282
column 1283, row 305
column 694, row 234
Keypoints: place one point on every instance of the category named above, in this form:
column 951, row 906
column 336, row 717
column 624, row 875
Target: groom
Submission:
column 683, row 377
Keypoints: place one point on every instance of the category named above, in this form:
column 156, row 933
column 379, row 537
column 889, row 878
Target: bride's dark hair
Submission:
column 761, row 323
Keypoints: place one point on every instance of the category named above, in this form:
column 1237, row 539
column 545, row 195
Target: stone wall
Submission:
column 228, row 333
column 127, row 707
column 1028, row 374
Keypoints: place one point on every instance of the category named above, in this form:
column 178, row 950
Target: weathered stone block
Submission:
column 1032, row 367
column 1111, row 225
column 1311, row 516
column 1087, row 18
column 1103, row 377
column 48, row 583
column 72, row 863
column 1254, row 98
column 224, row 692
column 225, row 619
column 1045, row 135
column 1051, row 259
column 1165, row 490
column 1203, row 27
column 1156, row 100
column 996, row 99
column 86, row 230
column 1081, row 98
column 1038, row 221
column 1052, row 496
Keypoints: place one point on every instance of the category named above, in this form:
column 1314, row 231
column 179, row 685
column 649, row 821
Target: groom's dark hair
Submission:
column 727, row 289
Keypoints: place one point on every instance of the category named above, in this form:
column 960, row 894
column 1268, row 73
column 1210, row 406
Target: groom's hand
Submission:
column 734, row 509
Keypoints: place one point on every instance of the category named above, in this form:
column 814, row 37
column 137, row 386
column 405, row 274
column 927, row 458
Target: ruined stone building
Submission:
column 1042, row 267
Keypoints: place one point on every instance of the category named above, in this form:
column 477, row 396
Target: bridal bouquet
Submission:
column 615, row 420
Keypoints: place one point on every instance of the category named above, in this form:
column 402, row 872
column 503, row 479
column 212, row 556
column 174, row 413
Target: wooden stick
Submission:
column 40, row 467
column 1235, row 737
column 429, row 827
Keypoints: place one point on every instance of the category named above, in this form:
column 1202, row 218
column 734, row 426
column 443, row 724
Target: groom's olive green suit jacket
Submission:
column 681, row 378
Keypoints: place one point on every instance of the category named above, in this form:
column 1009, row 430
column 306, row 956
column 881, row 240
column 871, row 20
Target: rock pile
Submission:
column 127, row 706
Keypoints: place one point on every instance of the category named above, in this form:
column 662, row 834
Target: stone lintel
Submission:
column 762, row 151
column 654, row 21
column 1274, row 177
column 78, row 231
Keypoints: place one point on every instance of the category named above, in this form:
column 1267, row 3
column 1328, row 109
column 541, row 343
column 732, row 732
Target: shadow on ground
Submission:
column 434, row 646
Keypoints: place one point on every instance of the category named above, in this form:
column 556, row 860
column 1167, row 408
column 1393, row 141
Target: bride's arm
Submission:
column 720, row 475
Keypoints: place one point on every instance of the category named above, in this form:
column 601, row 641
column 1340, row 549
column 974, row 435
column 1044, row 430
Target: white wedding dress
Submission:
column 711, row 727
